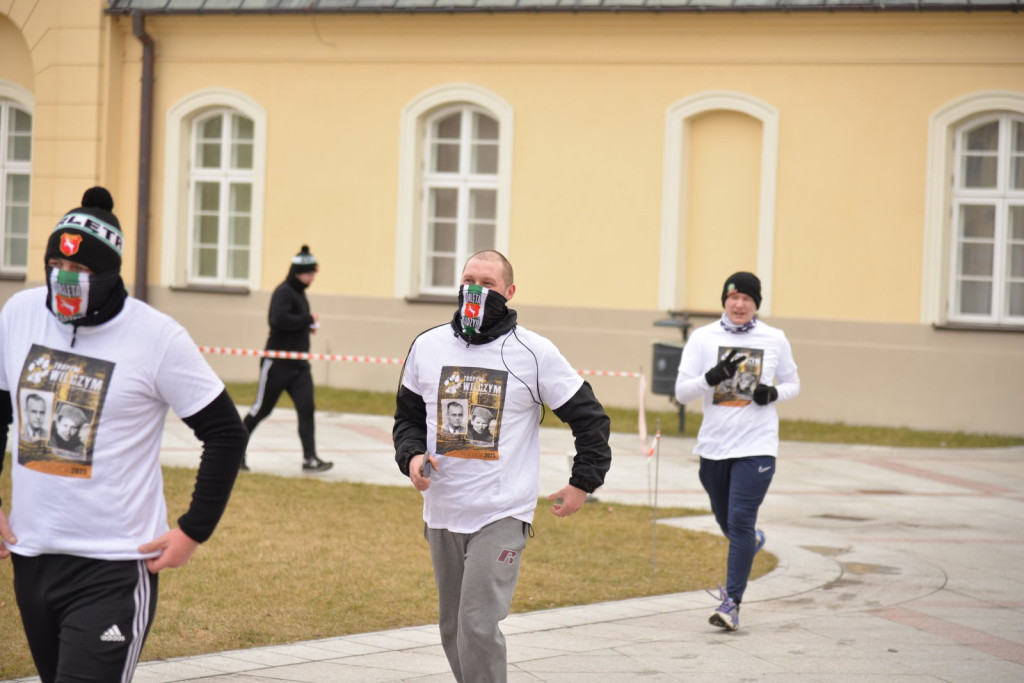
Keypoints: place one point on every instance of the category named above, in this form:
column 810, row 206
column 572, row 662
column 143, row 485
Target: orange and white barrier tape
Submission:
column 301, row 355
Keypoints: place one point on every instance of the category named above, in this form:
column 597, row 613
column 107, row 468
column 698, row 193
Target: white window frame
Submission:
column 675, row 177
column 417, row 115
column 224, row 176
column 176, row 264
column 1000, row 198
column 12, row 96
column 938, row 259
column 464, row 182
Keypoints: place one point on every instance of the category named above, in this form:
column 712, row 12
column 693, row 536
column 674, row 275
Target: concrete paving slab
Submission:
column 895, row 565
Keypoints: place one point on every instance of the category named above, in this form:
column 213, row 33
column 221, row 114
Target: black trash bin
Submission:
column 665, row 367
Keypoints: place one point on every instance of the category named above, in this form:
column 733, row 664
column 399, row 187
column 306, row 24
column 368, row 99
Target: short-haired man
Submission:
column 454, row 414
column 35, row 415
column 479, row 502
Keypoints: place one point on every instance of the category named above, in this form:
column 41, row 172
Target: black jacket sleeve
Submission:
column 6, row 417
column 590, row 427
column 224, row 439
column 410, row 430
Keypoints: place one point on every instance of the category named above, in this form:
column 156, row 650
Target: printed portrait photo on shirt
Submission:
column 472, row 399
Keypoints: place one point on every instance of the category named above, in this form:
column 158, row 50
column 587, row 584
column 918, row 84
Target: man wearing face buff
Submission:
column 88, row 529
column 479, row 494
column 738, row 439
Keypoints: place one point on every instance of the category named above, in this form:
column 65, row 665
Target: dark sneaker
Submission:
column 315, row 464
column 760, row 540
column 727, row 615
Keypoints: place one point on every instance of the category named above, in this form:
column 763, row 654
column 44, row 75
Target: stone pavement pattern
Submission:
column 894, row 565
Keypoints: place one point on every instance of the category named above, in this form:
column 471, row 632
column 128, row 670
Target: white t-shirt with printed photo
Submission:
column 492, row 470
column 94, row 488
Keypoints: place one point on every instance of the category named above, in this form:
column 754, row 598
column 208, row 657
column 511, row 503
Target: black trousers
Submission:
column 295, row 378
column 85, row 620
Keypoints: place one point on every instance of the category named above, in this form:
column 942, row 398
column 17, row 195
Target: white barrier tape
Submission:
column 300, row 355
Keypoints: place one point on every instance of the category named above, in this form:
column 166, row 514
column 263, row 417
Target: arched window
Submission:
column 987, row 221
column 213, row 189
column 220, row 185
column 15, row 181
column 454, row 184
column 460, row 190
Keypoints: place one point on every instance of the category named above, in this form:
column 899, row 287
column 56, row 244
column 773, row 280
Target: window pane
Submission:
column 442, row 271
column 485, row 158
column 449, row 128
column 241, row 142
column 444, row 202
column 208, row 196
column 1018, row 136
column 976, row 298
column 976, row 259
column 980, row 171
column 207, row 230
column 483, row 203
column 17, row 189
column 1017, row 222
column 1017, row 261
column 238, row 264
column 446, row 158
column 1017, row 173
column 443, row 237
column 978, row 220
column 209, row 143
column 19, row 146
column 16, row 252
column 984, row 138
column 206, row 262
column 484, row 127
column 1015, row 299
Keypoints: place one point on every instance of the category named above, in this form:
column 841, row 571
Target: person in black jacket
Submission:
column 291, row 323
column 480, row 485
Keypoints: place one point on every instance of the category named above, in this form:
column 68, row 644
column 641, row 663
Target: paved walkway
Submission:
column 895, row 565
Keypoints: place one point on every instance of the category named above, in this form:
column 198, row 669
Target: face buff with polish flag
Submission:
column 472, row 305
column 69, row 294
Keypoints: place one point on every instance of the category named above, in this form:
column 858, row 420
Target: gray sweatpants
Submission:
column 476, row 576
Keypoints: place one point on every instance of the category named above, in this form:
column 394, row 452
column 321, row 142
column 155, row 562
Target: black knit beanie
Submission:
column 89, row 235
column 745, row 283
column 303, row 262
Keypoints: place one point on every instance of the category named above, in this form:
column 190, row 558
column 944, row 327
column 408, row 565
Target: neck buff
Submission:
column 84, row 298
column 482, row 316
column 737, row 329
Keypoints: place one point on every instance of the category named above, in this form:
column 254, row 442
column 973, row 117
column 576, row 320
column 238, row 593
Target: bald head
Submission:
column 490, row 269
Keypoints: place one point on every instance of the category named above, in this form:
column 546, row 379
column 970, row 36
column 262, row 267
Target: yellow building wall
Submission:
column 590, row 93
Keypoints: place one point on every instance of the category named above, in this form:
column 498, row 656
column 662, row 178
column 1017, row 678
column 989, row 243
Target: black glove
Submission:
column 765, row 394
column 725, row 369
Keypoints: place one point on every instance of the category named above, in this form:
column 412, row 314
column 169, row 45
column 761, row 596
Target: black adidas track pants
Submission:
column 85, row 620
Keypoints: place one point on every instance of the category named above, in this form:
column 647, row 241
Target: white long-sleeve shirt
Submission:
column 733, row 425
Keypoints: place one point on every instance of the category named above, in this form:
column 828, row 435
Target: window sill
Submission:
column 432, row 299
column 13, row 277
column 978, row 327
column 211, row 289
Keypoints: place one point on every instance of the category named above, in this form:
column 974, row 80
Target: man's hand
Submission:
column 7, row 535
column 415, row 465
column 572, row 500
column 765, row 394
column 725, row 369
column 176, row 549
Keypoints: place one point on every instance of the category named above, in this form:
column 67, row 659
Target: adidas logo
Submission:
column 113, row 634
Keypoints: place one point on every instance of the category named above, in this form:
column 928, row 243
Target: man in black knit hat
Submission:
column 291, row 323
column 88, row 528
column 738, row 439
